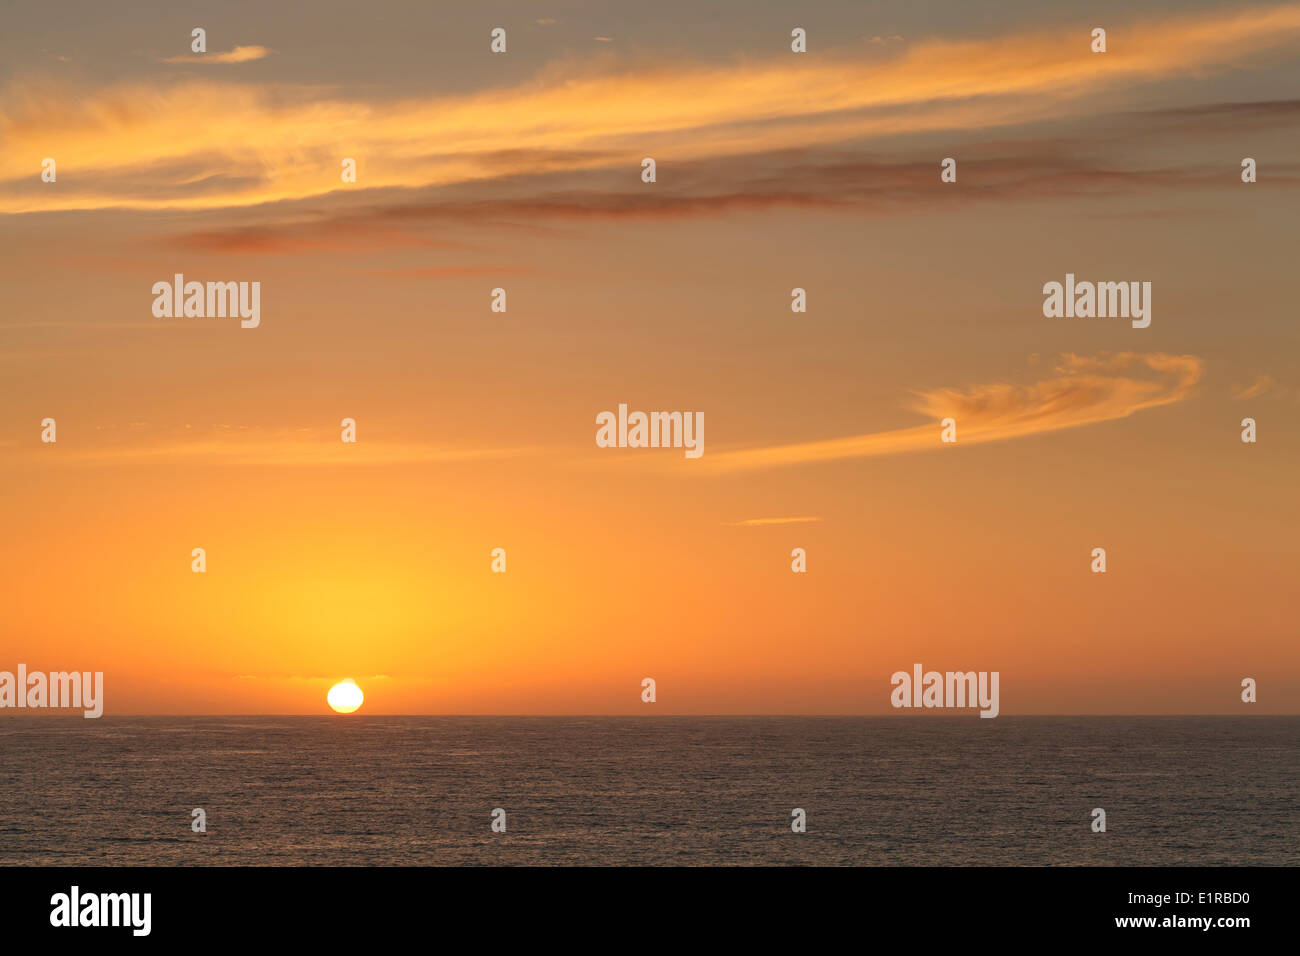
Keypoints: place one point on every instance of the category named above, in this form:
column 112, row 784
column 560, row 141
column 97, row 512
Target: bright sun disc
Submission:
column 345, row 696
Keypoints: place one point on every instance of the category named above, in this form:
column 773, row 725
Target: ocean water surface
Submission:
column 656, row 791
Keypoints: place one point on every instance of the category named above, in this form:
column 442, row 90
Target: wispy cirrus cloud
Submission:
column 305, row 678
column 1087, row 390
column 240, row 54
column 682, row 111
column 1262, row 384
column 711, row 188
column 453, row 272
column 762, row 522
column 256, row 447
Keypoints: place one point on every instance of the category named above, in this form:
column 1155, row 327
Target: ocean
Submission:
column 876, row 791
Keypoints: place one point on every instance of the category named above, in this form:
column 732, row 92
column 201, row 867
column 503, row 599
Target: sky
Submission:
column 475, row 429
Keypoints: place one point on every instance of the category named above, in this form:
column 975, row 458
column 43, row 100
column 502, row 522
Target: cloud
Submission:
column 453, row 272
column 1262, row 384
column 305, row 235
column 602, row 118
column 311, row 678
column 760, row 522
column 1086, row 391
column 1002, row 170
column 240, row 54
column 243, row 447
column 810, row 179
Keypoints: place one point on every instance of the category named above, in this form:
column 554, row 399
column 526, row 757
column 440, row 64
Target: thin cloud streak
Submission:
column 1086, row 391
column 1257, row 388
column 264, row 450
column 240, row 54
column 761, row 522
column 715, row 188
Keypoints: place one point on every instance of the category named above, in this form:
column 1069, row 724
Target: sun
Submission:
column 345, row 696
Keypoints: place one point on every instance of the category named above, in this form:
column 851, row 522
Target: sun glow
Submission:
column 345, row 696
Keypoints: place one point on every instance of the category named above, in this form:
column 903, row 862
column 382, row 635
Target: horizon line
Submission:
column 46, row 714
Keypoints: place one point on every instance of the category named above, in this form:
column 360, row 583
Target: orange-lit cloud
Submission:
column 1087, row 390
column 255, row 447
column 678, row 112
column 1262, row 384
column 718, row 188
column 761, row 522
column 240, row 54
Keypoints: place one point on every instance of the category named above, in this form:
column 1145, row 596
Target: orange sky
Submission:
column 476, row 428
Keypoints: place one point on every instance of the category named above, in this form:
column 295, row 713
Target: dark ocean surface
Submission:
column 669, row 790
